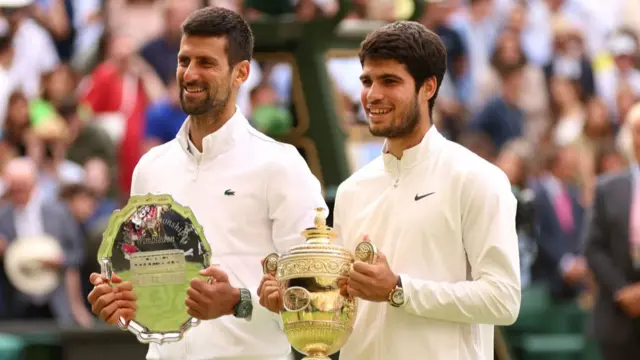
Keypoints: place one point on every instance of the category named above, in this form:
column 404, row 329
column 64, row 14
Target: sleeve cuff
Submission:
column 406, row 289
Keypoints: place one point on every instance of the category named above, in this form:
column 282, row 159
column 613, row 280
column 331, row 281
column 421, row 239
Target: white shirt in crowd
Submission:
column 272, row 198
column 445, row 219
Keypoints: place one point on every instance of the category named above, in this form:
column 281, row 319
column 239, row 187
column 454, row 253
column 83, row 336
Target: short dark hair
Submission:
column 411, row 44
column 218, row 22
column 70, row 191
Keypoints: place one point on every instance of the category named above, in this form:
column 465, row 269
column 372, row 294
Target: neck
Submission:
column 396, row 146
column 202, row 125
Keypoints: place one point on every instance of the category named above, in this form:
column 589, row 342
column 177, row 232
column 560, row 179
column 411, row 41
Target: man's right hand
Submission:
column 269, row 293
column 577, row 271
column 629, row 300
column 111, row 303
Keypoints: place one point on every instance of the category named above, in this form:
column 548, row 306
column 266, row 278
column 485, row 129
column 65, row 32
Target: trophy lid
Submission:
column 319, row 239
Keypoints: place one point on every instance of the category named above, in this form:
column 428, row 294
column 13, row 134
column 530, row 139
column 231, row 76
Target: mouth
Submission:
column 378, row 112
column 193, row 90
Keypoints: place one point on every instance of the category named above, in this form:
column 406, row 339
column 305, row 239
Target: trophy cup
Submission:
column 159, row 247
column 317, row 319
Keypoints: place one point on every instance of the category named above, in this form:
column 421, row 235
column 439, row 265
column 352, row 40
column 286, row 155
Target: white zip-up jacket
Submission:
column 252, row 196
column 445, row 219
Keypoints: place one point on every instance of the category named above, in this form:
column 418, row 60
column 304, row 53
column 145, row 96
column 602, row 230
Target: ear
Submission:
column 241, row 73
column 429, row 88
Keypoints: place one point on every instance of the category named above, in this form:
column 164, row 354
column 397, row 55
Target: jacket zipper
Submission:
column 397, row 182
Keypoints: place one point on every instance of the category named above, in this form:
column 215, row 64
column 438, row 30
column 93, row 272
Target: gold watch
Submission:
column 396, row 296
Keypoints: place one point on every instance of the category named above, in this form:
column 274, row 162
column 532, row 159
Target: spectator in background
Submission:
column 27, row 214
column 613, row 253
column 514, row 160
column 98, row 180
column 609, row 160
column 17, row 135
column 568, row 108
column 55, row 87
column 266, row 114
column 119, row 91
column 502, row 119
column 623, row 47
column 34, row 51
column 56, row 170
column 569, row 58
column 161, row 53
column 597, row 130
column 164, row 118
column 533, row 97
column 6, row 58
column 85, row 140
column 559, row 219
column 81, row 202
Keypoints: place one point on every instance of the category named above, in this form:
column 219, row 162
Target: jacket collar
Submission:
column 415, row 155
column 217, row 142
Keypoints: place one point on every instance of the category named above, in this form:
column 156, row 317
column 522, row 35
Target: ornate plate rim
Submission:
column 105, row 251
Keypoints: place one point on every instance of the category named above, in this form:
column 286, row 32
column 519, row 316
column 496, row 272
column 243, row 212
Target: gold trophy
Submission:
column 317, row 319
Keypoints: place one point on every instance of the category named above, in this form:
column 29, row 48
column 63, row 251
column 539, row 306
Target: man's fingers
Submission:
column 356, row 277
column 97, row 279
column 125, row 313
column 216, row 273
column 125, row 286
column 102, row 301
column 196, row 314
column 274, row 301
column 108, row 310
column 355, row 293
column 98, row 292
column 193, row 305
column 196, row 296
column 264, row 280
column 362, row 268
column 357, row 285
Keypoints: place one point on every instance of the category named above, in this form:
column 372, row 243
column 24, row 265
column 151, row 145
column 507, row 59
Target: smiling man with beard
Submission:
column 251, row 194
column 442, row 218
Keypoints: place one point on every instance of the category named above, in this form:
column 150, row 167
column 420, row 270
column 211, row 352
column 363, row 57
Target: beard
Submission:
column 211, row 105
column 406, row 126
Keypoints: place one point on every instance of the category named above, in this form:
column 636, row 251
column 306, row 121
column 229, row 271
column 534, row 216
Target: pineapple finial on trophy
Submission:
column 320, row 233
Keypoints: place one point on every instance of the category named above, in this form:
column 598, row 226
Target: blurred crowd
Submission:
column 546, row 89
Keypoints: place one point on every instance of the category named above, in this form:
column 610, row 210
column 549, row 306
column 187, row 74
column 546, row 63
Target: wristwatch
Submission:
column 396, row 296
column 244, row 307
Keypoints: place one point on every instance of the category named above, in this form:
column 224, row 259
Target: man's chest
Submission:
column 231, row 205
column 416, row 223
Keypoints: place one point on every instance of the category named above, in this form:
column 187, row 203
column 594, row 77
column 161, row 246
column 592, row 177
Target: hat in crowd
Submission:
column 24, row 269
column 15, row 3
column 622, row 44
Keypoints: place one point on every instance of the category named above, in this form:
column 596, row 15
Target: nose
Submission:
column 375, row 93
column 190, row 74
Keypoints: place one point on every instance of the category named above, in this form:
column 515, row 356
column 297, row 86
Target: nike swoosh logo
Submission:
column 418, row 197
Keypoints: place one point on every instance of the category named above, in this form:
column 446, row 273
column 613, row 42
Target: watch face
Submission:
column 244, row 309
column 398, row 297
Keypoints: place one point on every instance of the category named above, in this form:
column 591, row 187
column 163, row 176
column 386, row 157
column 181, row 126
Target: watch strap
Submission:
column 244, row 307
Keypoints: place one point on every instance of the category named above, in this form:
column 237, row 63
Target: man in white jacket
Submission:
column 251, row 194
column 442, row 218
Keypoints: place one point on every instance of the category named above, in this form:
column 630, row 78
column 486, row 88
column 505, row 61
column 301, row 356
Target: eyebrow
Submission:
column 383, row 76
column 199, row 57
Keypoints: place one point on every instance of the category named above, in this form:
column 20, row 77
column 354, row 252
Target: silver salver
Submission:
column 157, row 245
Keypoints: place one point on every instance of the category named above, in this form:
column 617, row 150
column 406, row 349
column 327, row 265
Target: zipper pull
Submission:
column 395, row 184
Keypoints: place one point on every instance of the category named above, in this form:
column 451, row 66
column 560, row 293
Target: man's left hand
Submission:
column 372, row 282
column 211, row 299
